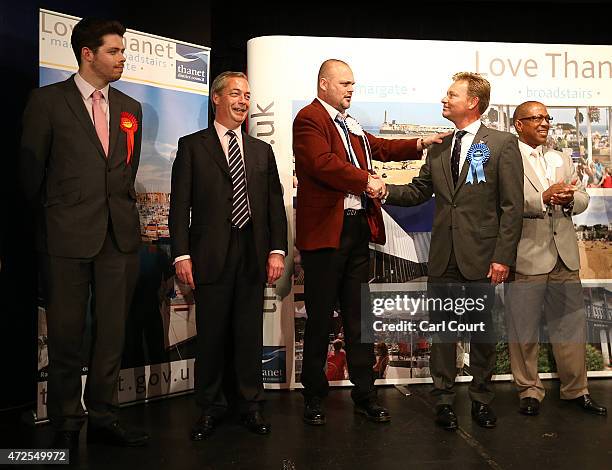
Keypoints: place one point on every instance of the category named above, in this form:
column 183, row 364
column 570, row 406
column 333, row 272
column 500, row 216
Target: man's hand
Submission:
column 376, row 187
column 184, row 271
column 498, row 273
column 559, row 193
column 275, row 267
column 562, row 198
column 565, row 196
column 428, row 141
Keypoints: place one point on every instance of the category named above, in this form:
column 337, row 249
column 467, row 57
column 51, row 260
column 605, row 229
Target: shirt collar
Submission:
column 222, row 131
column 86, row 89
column 333, row 112
column 526, row 149
column 471, row 128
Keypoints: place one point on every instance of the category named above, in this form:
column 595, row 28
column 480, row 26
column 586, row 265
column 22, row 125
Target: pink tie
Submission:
column 100, row 120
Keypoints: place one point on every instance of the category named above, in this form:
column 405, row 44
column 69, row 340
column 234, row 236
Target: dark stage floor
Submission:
column 561, row 437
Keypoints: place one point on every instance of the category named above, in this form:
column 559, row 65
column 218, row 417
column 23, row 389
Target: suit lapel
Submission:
column 355, row 141
column 530, row 174
column 249, row 164
column 115, row 107
column 75, row 102
column 481, row 135
column 213, row 145
column 445, row 156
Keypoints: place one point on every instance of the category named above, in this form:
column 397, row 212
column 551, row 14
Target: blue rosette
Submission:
column 477, row 156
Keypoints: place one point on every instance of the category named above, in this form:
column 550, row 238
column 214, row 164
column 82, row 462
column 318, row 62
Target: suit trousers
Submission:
column 110, row 278
column 443, row 361
column 229, row 322
column 332, row 275
column 559, row 298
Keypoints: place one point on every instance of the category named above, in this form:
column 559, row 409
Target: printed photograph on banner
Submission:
column 403, row 353
column 597, row 297
column 598, row 306
column 594, row 232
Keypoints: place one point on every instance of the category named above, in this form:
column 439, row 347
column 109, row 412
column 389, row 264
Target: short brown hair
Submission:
column 218, row 83
column 478, row 87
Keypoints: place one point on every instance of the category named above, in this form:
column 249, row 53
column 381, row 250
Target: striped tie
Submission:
column 340, row 120
column 240, row 206
column 351, row 153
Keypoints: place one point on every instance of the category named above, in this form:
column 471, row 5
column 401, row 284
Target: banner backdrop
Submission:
column 170, row 78
column 397, row 95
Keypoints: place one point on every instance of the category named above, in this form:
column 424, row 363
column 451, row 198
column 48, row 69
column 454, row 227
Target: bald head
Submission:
column 328, row 67
column 335, row 84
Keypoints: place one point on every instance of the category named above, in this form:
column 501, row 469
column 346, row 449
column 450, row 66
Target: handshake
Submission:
column 376, row 189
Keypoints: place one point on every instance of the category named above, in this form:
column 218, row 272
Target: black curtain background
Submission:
column 226, row 29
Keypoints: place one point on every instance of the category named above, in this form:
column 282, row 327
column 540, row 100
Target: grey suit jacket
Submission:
column 201, row 202
column 480, row 222
column 67, row 175
column 547, row 235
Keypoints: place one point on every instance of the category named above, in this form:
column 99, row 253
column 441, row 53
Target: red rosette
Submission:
column 129, row 125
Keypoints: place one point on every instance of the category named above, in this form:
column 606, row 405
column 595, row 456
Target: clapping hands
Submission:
column 559, row 193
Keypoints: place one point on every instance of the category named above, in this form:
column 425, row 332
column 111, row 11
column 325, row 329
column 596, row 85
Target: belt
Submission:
column 354, row 212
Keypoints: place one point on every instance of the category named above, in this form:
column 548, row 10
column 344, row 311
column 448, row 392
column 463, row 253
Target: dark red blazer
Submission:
column 325, row 175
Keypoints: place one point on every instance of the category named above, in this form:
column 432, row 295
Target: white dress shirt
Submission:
column 351, row 201
column 86, row 90
column 224, row 139
column 466, row 141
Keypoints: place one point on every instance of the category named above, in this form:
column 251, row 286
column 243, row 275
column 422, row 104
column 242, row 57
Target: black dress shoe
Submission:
column 255, row 422
column 65, row 440
column 529, row 406
column 203, row 427
column 483, row 415
column 588, row 404
column 373, row 411
column 446, row 418
column 116, row 434
column 313, row 412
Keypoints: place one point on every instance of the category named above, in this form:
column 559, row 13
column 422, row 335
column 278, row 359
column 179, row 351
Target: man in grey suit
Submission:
column 79, row 156
column 229, row 237
column 546, row 281
column 476, row 177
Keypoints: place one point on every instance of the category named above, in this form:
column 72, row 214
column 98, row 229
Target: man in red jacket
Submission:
column 335, row 222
